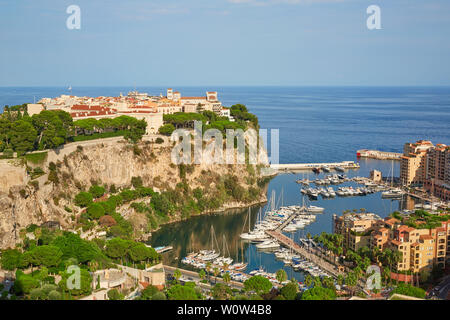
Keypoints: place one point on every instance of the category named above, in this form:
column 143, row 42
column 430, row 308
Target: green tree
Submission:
column 139, row 252
column 11, row 259
column 117, row 248
column 281, row 276
column 95, row 211
column 51, row 129
column 97, row 191
column 85, row 283
column 179, row 292
column 221, row 291
column 202, row 274
column 83, row 199
column 318, row 293
column 177, row 274
column 289, row 291
column 259, row 284
column 114, row 294
column 46, row 255
column 226, row 277
column 148, row 292
column 166, row 129
column 308, row 280
column 22, row 136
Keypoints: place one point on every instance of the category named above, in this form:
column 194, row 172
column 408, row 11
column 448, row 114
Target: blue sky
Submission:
column 224, row 42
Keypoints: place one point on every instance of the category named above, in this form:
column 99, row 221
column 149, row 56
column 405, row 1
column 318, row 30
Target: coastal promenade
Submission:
column 289, row 243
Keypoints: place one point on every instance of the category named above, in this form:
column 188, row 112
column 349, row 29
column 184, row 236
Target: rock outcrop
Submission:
column 79, row 165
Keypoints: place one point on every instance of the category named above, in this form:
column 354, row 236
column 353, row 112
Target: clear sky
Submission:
column 224, row 42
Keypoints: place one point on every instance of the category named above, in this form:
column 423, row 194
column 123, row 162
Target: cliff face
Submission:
column 78, row 166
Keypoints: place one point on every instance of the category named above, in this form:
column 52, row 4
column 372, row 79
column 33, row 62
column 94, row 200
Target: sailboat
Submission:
column 208, row 255
column 393, row 192
column 239, row 265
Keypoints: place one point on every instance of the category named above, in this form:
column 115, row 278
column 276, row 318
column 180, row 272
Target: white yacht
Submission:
column 269, row 244
column 394, row 193
column 315, row 209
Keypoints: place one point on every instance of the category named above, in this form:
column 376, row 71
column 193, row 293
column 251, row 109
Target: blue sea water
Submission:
column 316, row 124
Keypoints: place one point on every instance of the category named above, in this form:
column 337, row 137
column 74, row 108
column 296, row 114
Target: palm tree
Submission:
column 351, row 280
column 308, row 280
column 317, row 282
column 216, row 272
column 340, row 280
column 202, row 274
column 208, row 269
column 281, row 276
column 177, row 274
column 226, row 277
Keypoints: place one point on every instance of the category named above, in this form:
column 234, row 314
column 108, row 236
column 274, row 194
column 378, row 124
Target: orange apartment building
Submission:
column 421, row 248
column 437, row 180
column 413, row 162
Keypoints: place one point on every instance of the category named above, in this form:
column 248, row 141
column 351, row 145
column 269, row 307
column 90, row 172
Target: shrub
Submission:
column 95, row 211
column 409, row 290
column 136, row 182
column 97, row 191
column 83, row 199
column 159, row 140
column 167, row 129
column 107, row 221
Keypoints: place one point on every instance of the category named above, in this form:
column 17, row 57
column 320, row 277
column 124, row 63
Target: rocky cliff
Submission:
column 77, row 166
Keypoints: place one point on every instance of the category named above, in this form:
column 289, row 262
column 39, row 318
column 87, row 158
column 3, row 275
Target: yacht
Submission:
column 394, row 193
column 325, row 169
column 331, row 192
column 254, row 236
column 208, row 255
column 315, row 209
column 269, row 244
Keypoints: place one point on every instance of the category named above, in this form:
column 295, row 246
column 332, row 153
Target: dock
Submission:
column 289, row 243
column 310, row 166
column 288, row 220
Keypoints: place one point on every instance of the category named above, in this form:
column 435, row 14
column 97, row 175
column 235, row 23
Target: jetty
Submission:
column 310, row 166
column 295, row 247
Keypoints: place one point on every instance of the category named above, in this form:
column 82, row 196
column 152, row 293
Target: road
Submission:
column 442, row 290
column 193, row 276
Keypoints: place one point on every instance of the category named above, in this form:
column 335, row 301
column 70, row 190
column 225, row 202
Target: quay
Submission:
column 289, row 243
column 380, row 155
column 310, row 166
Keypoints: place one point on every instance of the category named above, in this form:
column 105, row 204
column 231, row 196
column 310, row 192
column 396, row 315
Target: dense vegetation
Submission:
column 49, row 129
column 37, row 262
column 409, row 290
column 210, row 120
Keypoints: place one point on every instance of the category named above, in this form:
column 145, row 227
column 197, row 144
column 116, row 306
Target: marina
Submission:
column 191, row 236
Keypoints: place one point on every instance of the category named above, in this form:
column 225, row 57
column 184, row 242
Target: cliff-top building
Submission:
column 138, row 105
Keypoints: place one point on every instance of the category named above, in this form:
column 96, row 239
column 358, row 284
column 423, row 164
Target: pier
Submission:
column 288, row 220
column 310, row 166
column 289, row 243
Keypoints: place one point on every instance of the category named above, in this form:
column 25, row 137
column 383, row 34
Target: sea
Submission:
column 316, row 124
